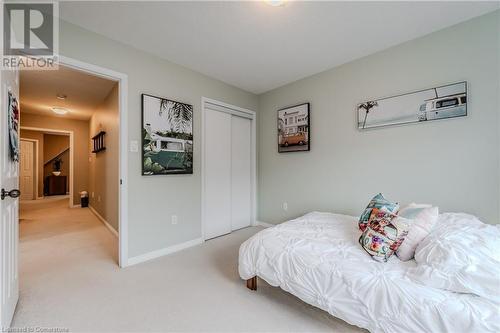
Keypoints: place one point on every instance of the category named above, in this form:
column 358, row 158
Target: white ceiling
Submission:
column 257, row 47
column 39, row 90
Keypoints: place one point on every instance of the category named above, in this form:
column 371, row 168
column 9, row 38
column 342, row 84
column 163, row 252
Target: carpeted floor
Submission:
column 70, row 279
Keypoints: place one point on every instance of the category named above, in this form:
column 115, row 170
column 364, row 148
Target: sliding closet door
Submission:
column 217, row 173
column 241, row 172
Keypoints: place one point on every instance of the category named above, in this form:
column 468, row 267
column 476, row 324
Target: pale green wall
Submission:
column 152, row 200
column 453, row 164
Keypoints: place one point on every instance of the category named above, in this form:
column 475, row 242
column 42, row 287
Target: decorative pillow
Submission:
column 378, row 202
column 384, row 234
column 424, row 218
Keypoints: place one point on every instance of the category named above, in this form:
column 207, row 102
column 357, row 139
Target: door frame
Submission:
column 237, row 111
column 36, row 143
column 71, row 154
column 122, row 80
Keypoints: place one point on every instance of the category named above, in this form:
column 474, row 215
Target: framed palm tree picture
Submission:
column 441, row 102
column 167, row 136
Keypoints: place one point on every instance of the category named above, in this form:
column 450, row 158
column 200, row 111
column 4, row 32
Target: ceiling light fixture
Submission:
column 61, row 96
column 59, row 110
column 275, row 3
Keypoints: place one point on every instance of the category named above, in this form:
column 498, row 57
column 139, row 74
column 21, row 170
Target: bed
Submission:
column 317, row 258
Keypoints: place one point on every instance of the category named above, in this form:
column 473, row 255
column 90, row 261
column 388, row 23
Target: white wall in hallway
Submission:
column 104, row 166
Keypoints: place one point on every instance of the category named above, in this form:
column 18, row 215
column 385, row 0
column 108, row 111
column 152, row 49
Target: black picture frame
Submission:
column 296, row 126
column 175, row 144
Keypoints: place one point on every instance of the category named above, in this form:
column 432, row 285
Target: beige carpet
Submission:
column 70, row 279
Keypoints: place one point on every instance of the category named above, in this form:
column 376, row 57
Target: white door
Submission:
column 9, row 209
column 241, row 172
column 217, row 173
column 26, row 180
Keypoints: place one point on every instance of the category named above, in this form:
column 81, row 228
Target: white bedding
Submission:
column 318, row 258
column 462, row 254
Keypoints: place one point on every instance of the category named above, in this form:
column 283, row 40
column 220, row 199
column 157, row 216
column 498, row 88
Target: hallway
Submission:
column 60, row 249
column 50, row 218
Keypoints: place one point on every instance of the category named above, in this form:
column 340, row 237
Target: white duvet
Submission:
column 461, row 254
column 318, row 258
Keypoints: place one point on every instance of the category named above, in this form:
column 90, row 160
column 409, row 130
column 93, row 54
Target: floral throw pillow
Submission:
column 378, row 202
column 384, row 233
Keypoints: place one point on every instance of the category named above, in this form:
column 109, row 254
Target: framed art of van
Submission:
column 294, row 129
column 167, row 136
column 442, row 102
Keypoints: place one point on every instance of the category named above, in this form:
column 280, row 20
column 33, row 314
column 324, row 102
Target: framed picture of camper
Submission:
column 293, row 129
column 167, row 136
column 442, row 102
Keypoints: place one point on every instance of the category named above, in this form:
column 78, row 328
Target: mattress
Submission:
column 317, row 258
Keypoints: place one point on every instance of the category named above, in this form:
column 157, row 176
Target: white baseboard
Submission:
column 163, row 252
column 264, row 224
column 106, row 224
column 76, row 206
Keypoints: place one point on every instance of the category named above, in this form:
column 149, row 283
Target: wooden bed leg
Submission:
column 252, row 283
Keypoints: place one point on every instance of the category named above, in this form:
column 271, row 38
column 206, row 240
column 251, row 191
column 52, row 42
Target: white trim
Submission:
column 37, row 146
column 77, row 206
column 223, row 107
column 264, row 224
column 103, row 220
column 228, row 108
column 122, row 80
column 71, row 153
column 163, row 252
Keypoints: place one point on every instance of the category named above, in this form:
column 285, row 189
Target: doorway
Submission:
column 53, row 163
column 228, row 168
column 9, row 176
column 28, row 169
column 102, row 182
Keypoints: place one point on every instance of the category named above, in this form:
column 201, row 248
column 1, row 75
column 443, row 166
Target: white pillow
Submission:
column 461, row 254
column 424, row 217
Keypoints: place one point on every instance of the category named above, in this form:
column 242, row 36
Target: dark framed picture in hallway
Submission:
column 293, row 128
column 167, row 136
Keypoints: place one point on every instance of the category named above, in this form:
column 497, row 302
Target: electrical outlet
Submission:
column 285, row 206
column 174, row 219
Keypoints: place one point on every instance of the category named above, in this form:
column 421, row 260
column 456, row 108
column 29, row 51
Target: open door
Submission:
column 9, row 203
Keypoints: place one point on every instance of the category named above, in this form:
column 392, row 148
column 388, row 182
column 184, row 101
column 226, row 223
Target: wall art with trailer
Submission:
column 442, row 102
column 167, row 136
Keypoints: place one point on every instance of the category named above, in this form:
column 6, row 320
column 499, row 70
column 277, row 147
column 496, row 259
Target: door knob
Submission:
column 12, row 193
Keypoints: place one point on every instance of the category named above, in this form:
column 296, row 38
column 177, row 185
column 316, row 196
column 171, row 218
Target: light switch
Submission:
column 134, row 146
